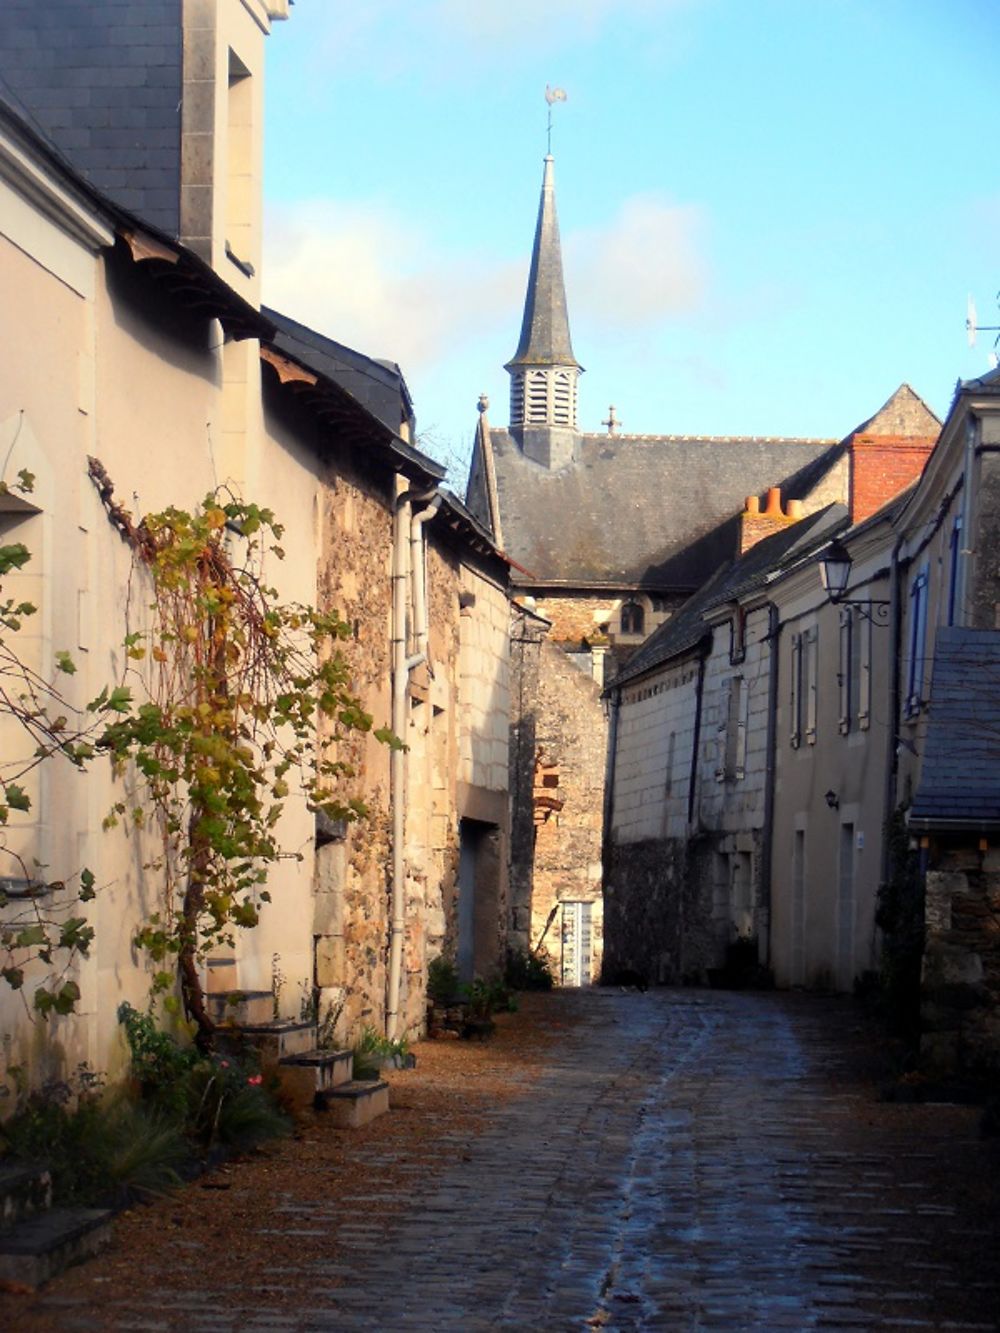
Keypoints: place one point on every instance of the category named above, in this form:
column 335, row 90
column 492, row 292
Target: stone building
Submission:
column 133, row 334
column 610, row 534
column 734, row 693
column 688, row 811
column 945, row 600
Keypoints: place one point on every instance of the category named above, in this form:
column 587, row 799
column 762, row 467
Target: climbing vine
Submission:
column 231, row 702
column 40, row 924
column 243, row 698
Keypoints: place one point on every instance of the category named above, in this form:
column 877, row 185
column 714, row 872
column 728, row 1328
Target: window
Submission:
column 239, row 166
column 795, row 697
column 804, row 688
column 633, row 618
column 810, row 681
column 861, row 661
column 845, row 675
column 738, row 636
column 956, row 555
column 733, row 731
column 854, row 670
column 918, row 635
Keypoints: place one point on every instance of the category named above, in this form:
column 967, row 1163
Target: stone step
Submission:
column 303, row 1077
column 274, row 1041
column 239, row 1008
column 42, row 1245
column 25, row 1188
column 351, row 1105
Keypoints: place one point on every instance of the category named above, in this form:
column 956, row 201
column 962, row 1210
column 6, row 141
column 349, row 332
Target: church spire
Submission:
column 543, row 370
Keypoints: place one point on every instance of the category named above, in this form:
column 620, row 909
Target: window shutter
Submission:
column 795, row 700
column 845, row 675
column 811, row 690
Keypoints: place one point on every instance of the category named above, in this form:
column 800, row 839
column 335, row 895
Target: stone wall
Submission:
column 575, row 619
column 352, row 884
column 567, row 801
column 960, row 981
column 527, row 634
column 653, row 905
column 656, row 724
column 455, row 765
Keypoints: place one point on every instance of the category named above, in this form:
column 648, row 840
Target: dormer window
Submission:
column 633, row 618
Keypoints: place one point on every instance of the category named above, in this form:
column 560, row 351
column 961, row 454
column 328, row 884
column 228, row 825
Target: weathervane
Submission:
column 972, row 327
column 553, row 95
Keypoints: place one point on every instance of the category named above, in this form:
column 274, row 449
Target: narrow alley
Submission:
column 674, row 1160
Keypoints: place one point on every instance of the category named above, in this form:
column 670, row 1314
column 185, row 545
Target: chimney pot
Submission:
column 773, row 509
column 793, row 509
column 753, row 505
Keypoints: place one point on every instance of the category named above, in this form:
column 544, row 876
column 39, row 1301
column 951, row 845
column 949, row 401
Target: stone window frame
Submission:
column 632, row 610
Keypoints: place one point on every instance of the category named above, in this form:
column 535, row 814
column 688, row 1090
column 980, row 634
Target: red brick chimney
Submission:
column 888, row 453
column 756, row 524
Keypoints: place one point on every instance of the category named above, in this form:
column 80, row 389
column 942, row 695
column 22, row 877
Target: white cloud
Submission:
column 642, row 268
column 365, row 277
column 361, row 274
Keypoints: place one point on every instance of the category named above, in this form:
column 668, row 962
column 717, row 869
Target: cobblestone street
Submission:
column 685, row 1160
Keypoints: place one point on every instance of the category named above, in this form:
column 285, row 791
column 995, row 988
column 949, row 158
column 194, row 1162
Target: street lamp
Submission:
column 835, row 574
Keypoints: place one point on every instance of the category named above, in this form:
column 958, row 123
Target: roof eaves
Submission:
column 337, row 405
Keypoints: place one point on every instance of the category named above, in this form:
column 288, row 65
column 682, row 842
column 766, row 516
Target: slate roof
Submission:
column 545, row 336
column 102, row 82
column 687, row 627
column 959, row 786
column 653, row 511
column 377, row 385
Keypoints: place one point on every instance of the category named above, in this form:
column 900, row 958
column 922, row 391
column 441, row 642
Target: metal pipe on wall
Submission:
column 408, row 574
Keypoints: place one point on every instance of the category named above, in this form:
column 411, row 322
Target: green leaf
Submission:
column 16, row 797
column 30, row 936
column 87, row 890
column 76, row 934
column 119, row 700
column 13, row 557
column 26, row 481
column 65, row 663
column 66, row 998
column 14, row 977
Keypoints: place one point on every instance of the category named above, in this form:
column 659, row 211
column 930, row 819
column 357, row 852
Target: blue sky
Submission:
column 772, row 211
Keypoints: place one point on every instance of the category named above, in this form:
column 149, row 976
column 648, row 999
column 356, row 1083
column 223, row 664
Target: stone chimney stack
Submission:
column 756, row 524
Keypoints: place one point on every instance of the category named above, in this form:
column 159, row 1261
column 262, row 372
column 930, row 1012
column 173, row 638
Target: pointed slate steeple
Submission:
column 543, row 370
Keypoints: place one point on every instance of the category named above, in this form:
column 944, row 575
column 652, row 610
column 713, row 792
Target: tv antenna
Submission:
column 972, row 327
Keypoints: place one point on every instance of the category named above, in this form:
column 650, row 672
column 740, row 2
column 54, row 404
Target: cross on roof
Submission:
column 612, row 422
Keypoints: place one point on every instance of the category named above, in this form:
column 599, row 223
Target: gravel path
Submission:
column 674, row 1160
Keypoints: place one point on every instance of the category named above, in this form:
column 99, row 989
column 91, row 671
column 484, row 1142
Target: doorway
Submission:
column 577, row 944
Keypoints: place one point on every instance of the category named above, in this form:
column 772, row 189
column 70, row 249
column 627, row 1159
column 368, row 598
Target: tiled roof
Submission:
column 687, row 626
column 102, row 82
column 651, row 510
column 960, row 770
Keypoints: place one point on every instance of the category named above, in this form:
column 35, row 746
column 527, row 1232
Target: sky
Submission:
column 773, row 212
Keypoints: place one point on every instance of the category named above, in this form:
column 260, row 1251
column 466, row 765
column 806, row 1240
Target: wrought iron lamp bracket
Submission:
column 876, row 613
